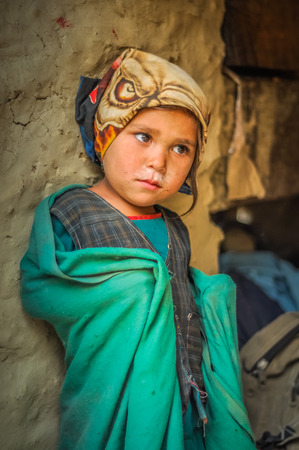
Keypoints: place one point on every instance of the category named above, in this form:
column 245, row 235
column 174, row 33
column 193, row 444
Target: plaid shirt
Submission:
column 92, row 222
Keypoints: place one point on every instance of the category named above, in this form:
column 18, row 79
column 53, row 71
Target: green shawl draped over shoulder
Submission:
column 113, row 311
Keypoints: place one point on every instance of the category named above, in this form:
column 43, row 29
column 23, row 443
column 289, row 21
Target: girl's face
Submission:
column 149, row 160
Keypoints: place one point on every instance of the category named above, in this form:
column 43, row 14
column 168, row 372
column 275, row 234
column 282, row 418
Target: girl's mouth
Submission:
column 150, row 184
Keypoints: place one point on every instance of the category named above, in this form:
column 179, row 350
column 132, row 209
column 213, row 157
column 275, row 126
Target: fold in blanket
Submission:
column 113, row 311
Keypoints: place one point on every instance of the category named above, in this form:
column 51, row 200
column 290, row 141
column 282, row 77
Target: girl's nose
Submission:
column 157, row 159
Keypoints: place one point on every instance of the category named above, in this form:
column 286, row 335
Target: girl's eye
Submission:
column 143, row 137
column 181, row 149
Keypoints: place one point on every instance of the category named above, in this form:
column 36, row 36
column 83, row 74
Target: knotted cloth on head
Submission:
column 136, row 80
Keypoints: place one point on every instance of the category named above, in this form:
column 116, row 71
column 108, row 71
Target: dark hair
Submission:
column 192, row 173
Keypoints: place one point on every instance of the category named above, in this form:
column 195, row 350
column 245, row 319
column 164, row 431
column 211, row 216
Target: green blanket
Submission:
column 113, row 311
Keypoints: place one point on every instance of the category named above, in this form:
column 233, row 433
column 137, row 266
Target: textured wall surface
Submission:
column 45, row 47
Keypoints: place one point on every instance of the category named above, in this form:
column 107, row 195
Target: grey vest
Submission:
column 93, row 222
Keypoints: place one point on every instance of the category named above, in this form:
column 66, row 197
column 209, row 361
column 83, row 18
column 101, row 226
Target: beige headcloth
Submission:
column 142, row 80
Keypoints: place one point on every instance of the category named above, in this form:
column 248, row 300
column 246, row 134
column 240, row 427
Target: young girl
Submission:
column 151, row 347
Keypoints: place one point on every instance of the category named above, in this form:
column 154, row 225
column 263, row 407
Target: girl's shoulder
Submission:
column 78, row 203
column 75, row 198
column 68, row 194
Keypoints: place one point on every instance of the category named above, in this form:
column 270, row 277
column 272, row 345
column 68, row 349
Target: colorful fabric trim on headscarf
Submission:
column 136, row 80
column 88, row 98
